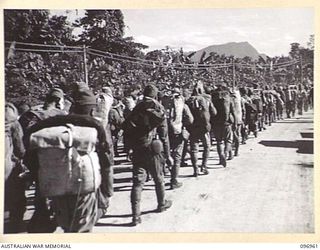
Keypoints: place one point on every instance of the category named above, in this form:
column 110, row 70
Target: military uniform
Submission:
column 15, row 200
column 222, row 124
column 202, row 110
column 146, row 121
column 179, row 117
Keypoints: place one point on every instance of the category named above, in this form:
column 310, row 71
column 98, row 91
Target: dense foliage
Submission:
column 30, row 72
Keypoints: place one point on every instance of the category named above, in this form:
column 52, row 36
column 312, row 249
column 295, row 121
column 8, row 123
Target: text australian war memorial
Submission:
column 104, row 133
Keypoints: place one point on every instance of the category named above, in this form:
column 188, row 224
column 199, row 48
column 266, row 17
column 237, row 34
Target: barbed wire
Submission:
column 145, row 62
column 49, row 51
column 155, row 65
column 43, row 45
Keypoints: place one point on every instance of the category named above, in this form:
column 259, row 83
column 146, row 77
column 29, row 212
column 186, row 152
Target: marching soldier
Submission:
column 146, row 122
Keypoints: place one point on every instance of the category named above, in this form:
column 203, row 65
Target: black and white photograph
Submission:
column 163, row 120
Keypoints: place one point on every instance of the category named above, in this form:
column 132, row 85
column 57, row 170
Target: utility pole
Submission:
column 85, row 66
column 233, row 73
column 301, row 69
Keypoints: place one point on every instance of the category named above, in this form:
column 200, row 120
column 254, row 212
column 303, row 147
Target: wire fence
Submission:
column 85, row 51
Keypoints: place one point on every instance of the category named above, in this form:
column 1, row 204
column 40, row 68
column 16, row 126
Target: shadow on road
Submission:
column 305, row 165
column 295, row 121
column 101, row 224
column 123, row 180
column 303, row 146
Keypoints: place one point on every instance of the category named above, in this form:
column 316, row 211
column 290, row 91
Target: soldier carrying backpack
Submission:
column 203, row 111
column 222, row 123
column 179, row 118
column 142, row 127
column 72, row 164
column 15, row 200
column 41, row 221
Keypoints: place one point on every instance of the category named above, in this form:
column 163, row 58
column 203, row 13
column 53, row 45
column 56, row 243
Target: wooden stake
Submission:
column 85, row 65
column 233, row 73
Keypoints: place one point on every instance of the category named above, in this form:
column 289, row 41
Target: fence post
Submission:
column 234, row 74
column 86, row 78
column 301, row 69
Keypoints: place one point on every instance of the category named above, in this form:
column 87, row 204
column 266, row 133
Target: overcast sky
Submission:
column 270, row 30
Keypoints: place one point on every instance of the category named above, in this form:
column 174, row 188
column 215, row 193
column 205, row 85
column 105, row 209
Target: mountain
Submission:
column 239, row 50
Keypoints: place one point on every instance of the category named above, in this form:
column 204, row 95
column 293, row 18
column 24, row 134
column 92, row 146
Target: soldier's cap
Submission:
column 107, row 90
column 81, row 85
column 11, row 112
column 85, row 97
column 150, row 91
column 176, row 91
column 56, row 92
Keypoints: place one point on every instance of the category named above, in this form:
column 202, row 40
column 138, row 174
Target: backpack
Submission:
column 8, row 151
column 174, row 109
column 200, row 110
column 30, row 118
column 237, row 107
column 259, row 105
column 144, row 118
column 68, row 161
column 115, row 119
column 104, row 105
column 11, row 115
column 222, row 102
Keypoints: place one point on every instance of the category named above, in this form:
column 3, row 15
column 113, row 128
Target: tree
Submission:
column 25, row 25
column 311, row 42
column 101, row 28
column 29, row 75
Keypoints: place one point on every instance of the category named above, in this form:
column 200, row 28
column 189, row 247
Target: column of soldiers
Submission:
column 159, row 128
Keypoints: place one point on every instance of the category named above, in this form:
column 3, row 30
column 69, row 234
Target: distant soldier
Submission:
column 252, row 114
column 271, row 106
column 301, row 99
column 280, row 103
column 238, row 115
column 116, row 119
column 258, row 102
column 291, row 97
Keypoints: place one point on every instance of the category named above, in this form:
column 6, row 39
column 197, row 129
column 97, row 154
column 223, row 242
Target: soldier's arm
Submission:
column 188, row 118
column 17, row 135
column 162, row 131
column 232, row 111
column 212, row 109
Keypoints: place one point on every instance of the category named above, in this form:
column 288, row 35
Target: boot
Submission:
column 223, row 161
column 165, row 206
column 175, row 184
column 205, row 156
column 230, row 155
column 174, row 175
column 204, row 170
column 236, row 151
column 196, row 171
column 228, row 151
column 136, row 220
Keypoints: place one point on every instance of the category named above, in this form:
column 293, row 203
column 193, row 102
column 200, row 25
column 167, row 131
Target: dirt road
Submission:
column 268, row 188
